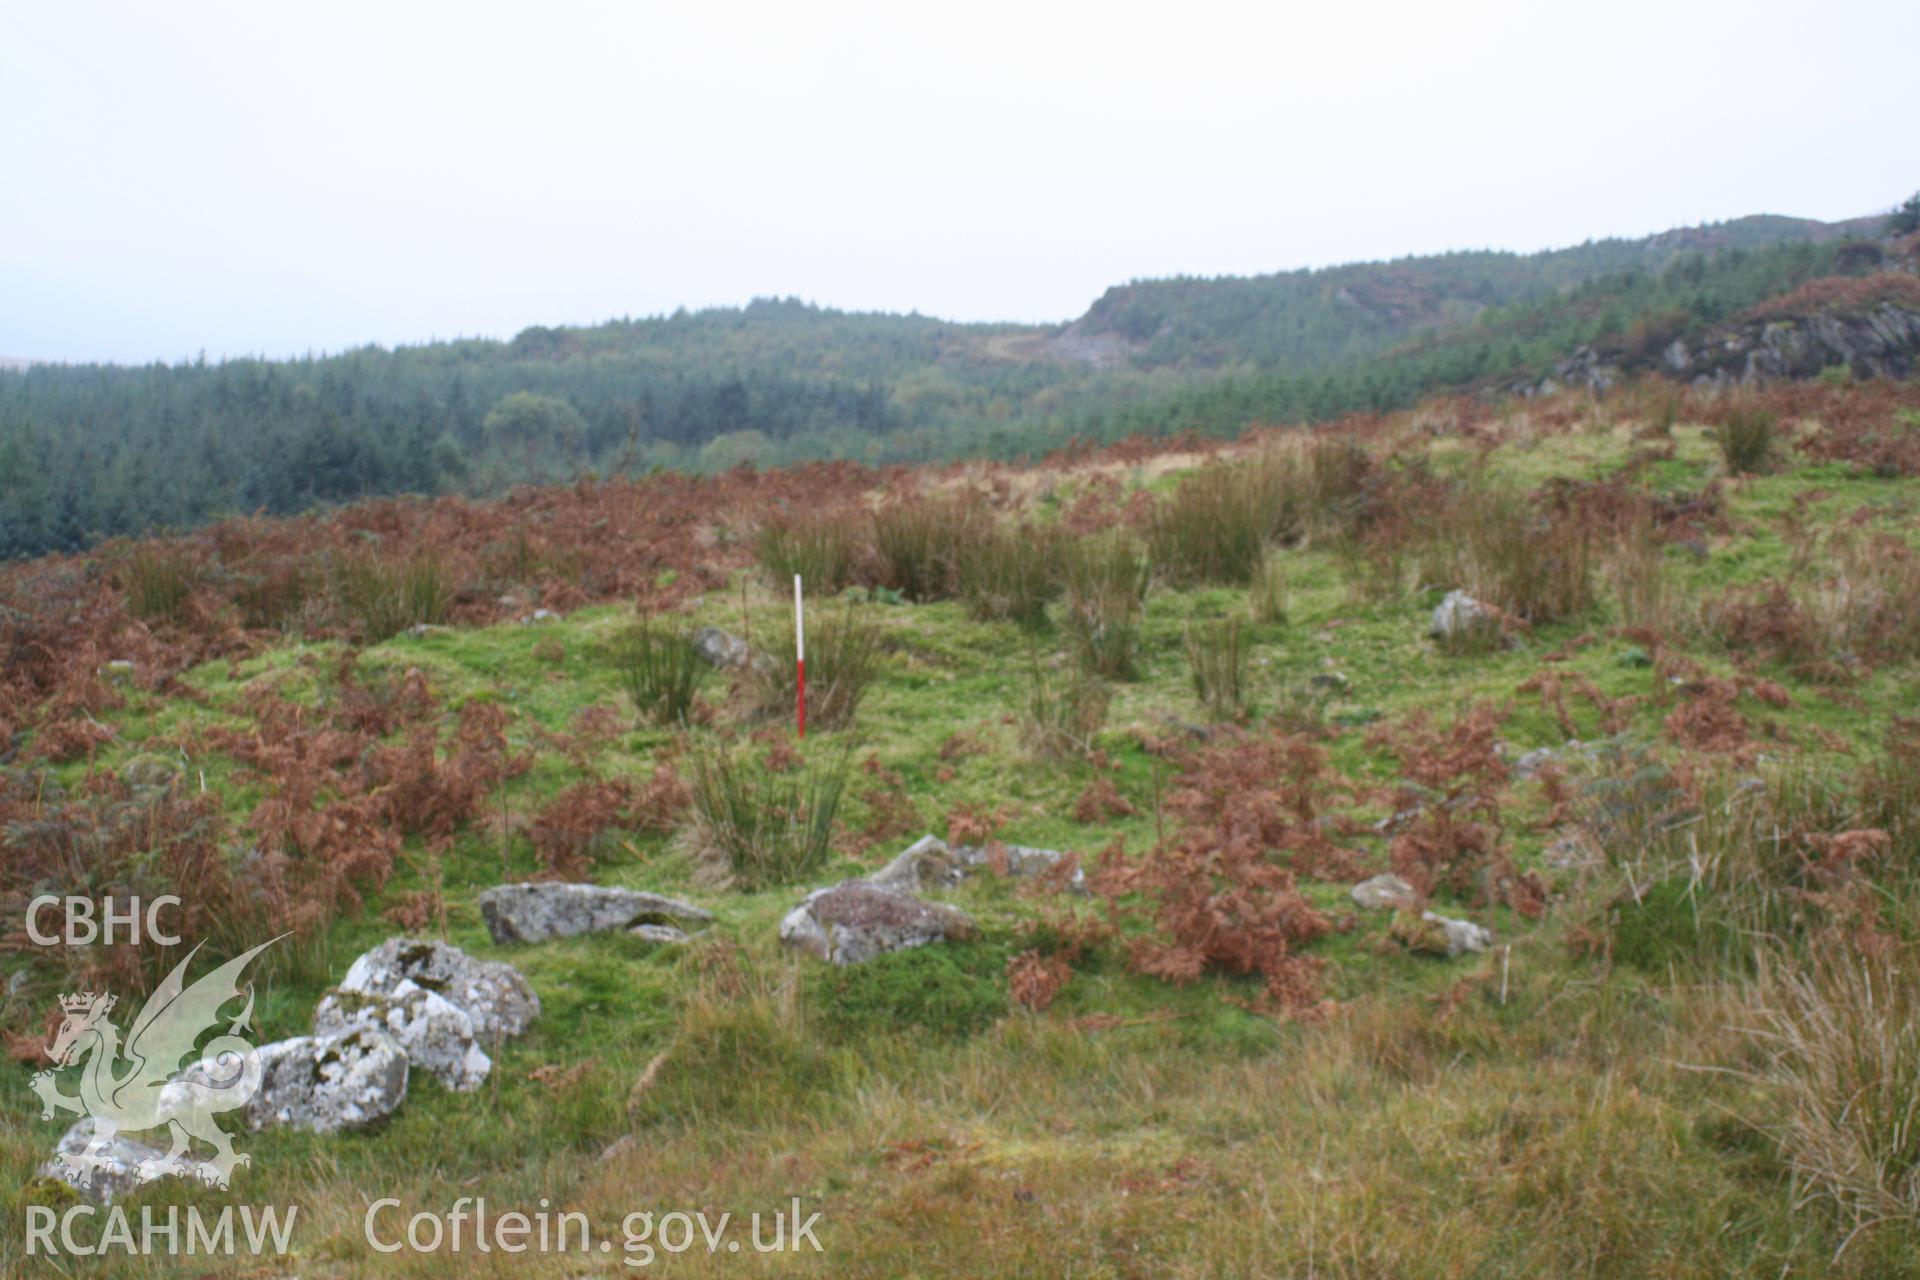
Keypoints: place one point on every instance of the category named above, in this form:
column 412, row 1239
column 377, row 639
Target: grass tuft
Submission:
column 660, row 670
column 771, row 826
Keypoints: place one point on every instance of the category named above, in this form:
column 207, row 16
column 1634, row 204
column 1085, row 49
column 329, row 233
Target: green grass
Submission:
column 1536, row 1111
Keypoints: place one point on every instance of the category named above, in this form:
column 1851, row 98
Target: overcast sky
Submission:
column 277, row 178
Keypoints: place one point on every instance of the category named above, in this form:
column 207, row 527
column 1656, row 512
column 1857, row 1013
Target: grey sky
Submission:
column 280, row 178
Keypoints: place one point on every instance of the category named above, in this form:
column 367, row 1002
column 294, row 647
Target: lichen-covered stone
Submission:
column 854, row 921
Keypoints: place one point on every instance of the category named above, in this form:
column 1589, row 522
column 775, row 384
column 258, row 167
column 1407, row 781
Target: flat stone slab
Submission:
column 1436, row 934
column 930, row 863
column 1386, row 891
column 540, row 910
column 854, row 921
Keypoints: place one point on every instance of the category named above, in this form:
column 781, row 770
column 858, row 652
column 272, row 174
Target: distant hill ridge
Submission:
column 88, row 450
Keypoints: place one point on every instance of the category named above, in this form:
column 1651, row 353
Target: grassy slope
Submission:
column 1524, row 1113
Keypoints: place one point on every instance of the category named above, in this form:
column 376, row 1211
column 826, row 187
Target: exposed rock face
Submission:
column 436, row 1033
column 1878, row 340
column 720, row 648
column 493, row 995
column 854, row 921
column 537, row 912
column 1384, row 892
column 116, row 1174
column 329, row 1083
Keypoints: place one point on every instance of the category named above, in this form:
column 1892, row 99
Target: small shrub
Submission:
column 1649, row 598
column 1214, row 526
column 1106, row 583
column 1267, row 598
column 1217, row 902
column 1064, row 710
column 382, row 598
column 770, row 826
column 276, row 600
column 1011, row 574
column 1300, row 704
column 922, row 541
column 822, row 547
column 1451, row 782
column 1890, row 792
column 159, row 584
column 1537, row 566
column 1841, row 1034
column 843, row 660
column 1217, row 660
column 1744, row 434
column 660, row 670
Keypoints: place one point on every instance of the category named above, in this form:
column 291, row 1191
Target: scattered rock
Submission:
column 436, row 1033
column 1023, row 862
column 665, row 934
column 1383, row 892
column 720, row 648
column 928, row 863
column 1394, row 821
column 117, row 1172
column 925, row 864
column 1569, row 849
column 538, row 911
column 329, row 1083
column 1435, row 934
column 1461, row 615
column 854, row 921
column 1533, row 761
column 149, row 772
column 492, row 994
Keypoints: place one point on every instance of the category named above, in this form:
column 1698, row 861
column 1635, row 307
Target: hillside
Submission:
column 1301, row 321
column 89, row 452
column 1203, row 732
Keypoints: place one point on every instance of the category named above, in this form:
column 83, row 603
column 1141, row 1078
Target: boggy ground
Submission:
column 1686, row 1053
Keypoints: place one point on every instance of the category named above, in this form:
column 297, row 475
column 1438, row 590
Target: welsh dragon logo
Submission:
column 141, row 1085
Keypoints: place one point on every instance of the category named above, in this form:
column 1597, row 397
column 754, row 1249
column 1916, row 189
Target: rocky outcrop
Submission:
column 1877, row 340
column 538, row 911
column 855, row 920
column 493, row 995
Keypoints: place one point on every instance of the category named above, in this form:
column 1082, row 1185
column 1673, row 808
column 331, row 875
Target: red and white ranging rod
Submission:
column 800, row 655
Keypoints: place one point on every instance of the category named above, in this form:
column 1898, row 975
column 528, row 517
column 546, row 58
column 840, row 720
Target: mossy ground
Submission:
column 1530, row 1112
